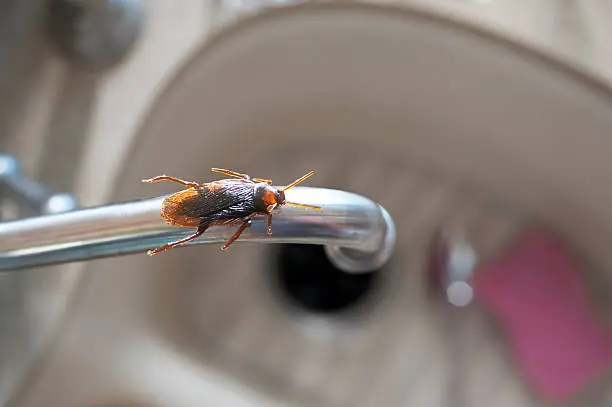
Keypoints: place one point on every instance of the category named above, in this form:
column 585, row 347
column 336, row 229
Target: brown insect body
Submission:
column 224, row 202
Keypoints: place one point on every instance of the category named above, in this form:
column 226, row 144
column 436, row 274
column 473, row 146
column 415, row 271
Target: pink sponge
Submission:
column 536, row 293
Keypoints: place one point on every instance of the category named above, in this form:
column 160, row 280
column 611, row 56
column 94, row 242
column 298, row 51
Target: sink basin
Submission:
column 439, row 122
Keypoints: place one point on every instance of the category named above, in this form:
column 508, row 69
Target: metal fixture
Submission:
column 31, row 197
column 452, row 265
column 358, row 232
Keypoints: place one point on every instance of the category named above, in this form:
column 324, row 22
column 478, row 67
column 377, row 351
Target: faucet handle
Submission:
column 31, row 197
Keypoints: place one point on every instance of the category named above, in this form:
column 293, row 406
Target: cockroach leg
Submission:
column 240, row 175
column 168, row 246
column 173, row 179
column 231, row 173
column 269, row 224
column 267, row 181
column 247, row 222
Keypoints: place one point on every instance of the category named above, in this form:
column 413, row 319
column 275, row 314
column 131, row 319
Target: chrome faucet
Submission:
column 358, row 234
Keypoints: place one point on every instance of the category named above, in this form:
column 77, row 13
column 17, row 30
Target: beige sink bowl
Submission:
column 437, row 121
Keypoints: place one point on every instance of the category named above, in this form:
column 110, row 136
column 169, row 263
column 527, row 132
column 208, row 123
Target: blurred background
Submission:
column 483, row 126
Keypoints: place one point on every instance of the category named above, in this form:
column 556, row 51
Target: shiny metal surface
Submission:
column 452, row 265
column 360, row 232
column 31, row 197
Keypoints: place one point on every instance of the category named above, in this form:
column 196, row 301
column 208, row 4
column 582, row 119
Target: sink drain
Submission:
column 309, row 281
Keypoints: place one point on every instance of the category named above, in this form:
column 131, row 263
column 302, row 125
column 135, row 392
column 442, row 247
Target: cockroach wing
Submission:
column 211, row 203
column 216, row 197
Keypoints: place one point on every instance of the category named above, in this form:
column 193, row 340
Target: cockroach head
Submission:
column 280, row 196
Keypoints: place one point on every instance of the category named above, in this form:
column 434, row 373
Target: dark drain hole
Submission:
column 308, row 280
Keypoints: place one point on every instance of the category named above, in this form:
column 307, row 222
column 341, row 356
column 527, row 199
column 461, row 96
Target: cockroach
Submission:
column 227, row 202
